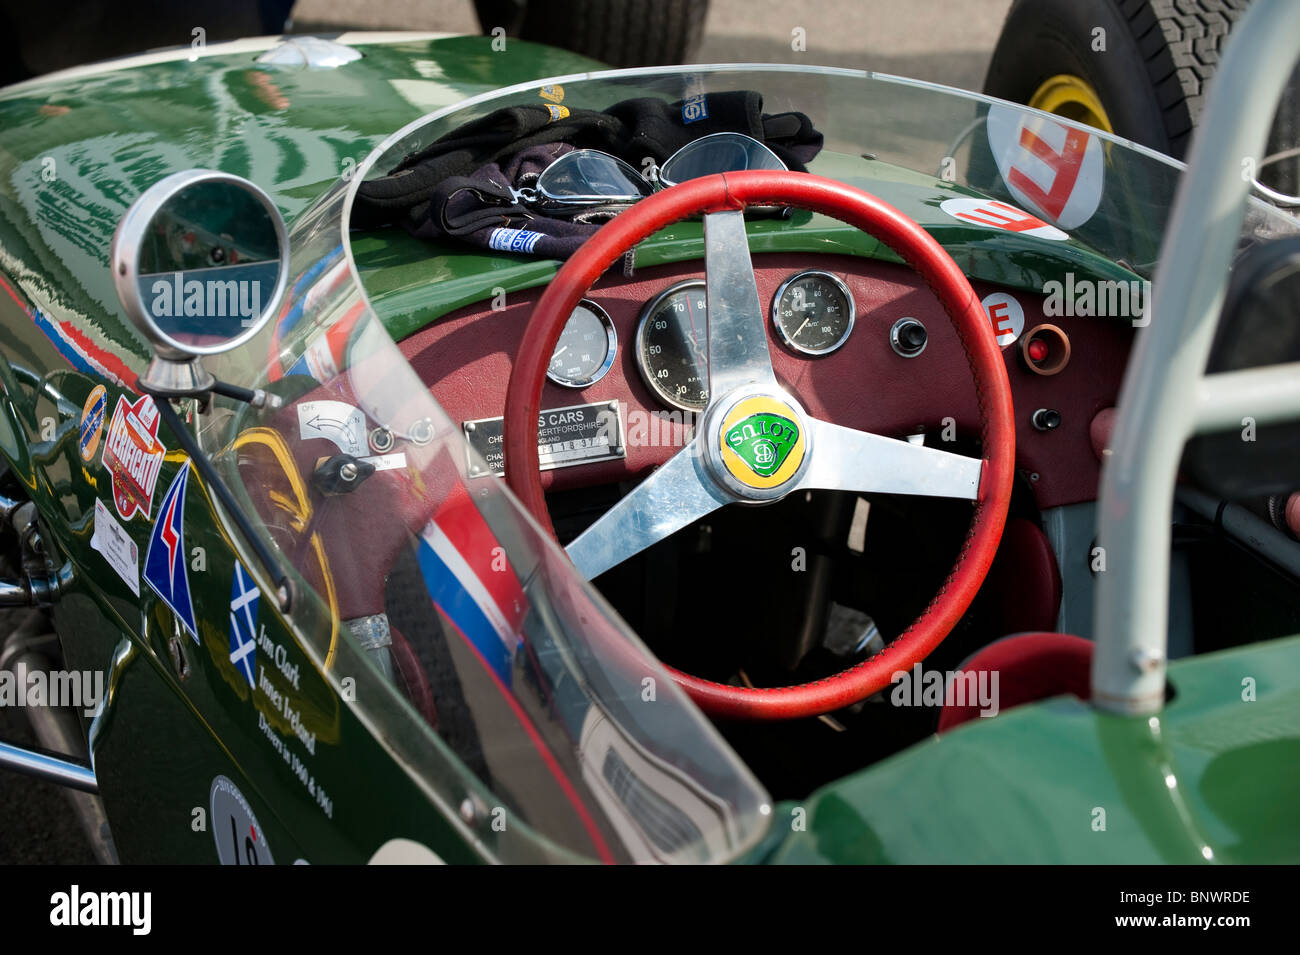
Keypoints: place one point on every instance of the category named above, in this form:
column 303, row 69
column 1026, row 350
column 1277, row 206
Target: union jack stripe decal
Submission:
column 471, row 580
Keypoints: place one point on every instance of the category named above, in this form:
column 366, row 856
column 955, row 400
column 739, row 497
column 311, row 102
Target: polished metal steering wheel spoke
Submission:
column 847, row 460
column 665, row 502
column 738, row 352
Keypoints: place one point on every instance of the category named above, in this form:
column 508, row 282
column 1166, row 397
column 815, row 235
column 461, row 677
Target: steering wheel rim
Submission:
column 733, row 192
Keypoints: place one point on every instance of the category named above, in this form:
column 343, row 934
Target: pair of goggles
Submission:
column 589, row 177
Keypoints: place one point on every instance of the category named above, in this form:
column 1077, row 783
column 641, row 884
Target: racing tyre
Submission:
column 1138, row 68
column 617, row 32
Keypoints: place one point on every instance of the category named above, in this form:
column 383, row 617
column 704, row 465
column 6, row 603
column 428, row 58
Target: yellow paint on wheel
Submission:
column 1074, row 98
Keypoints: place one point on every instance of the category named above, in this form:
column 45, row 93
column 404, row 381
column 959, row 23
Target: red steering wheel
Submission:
column 755, row 443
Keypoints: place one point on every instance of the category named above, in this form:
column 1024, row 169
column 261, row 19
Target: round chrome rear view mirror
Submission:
column 199, row 263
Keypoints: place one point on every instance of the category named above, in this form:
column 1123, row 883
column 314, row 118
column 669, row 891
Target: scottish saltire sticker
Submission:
column 553, row 93
column 112, row 540
column 557, row 112
column 244, row 598
column 92, row 422
column 513, row 240
column 165, row 568
column 133, row 456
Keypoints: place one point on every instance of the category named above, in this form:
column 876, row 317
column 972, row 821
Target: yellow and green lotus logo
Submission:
column 762, row 442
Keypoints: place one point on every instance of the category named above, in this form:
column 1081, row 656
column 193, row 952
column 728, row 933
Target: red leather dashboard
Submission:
column 465, row 358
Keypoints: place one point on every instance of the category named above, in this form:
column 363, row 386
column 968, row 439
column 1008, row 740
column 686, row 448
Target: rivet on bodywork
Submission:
column 467, row 813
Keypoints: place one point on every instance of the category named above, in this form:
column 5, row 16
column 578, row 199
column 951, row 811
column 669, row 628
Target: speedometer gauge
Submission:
column 672, row 341
column 813, row 312
column 585, row 351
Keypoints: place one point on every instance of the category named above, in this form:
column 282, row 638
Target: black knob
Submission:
column 1046, row 419
column 908, row 337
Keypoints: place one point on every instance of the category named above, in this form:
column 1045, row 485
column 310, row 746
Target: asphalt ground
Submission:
column 943, row 41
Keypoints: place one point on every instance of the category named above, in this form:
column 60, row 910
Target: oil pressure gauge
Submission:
column 585, row 351
column 813, row 312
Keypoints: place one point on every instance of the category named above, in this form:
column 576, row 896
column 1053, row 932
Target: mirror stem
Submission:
column 218, row 487
column 252, row 396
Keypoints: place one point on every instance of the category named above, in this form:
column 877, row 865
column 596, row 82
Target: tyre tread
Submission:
column 1182, row 56
column 619, row 32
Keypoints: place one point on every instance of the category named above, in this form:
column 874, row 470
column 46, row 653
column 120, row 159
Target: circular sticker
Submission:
column 996, row 214
column 762, row 442
column 1006, row 316
column 1053, row 169
column 239, row 839
column 92, row 422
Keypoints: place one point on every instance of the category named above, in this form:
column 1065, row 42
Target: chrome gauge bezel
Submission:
column 646, row 311
column 787, row 339
column 611, row 349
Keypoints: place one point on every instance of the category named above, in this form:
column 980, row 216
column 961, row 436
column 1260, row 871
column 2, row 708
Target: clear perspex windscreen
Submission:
column 507, row 679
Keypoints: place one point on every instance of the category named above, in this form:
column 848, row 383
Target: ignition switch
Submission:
column 340, row 474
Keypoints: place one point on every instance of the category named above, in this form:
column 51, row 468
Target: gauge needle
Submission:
column 695, row 335
column 560, row 352
column 802, row 327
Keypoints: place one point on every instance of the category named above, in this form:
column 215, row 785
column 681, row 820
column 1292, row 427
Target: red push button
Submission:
column 1045, row 349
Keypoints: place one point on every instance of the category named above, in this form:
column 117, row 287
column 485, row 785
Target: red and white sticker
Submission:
column 1006, row 316
column 1052, row 169
column 133, row 456
column 997, row 214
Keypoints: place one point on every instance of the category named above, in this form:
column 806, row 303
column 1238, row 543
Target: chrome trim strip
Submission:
column 51, row 768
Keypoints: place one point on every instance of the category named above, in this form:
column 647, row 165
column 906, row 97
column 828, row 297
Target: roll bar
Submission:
column 1167, row 397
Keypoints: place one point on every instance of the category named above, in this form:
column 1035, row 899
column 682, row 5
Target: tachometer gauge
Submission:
column 585, row 351
column 813, row 312
column 672, row 342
